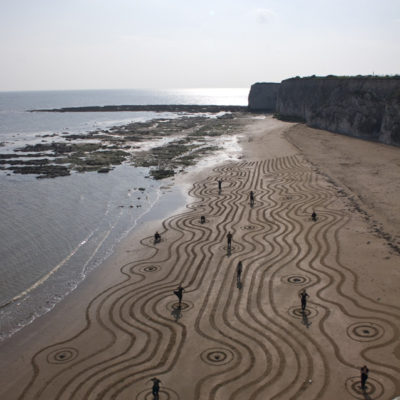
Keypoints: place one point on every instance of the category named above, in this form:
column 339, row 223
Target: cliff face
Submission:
column 263, row 96
column 365, row 107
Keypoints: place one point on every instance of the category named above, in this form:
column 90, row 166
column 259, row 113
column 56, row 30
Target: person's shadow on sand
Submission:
column 360, row 392
column 177, row 313
column 239, row 270
column 304, row 320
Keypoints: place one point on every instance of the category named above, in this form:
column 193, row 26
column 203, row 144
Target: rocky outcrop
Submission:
column 262, row 97
column 365, row 107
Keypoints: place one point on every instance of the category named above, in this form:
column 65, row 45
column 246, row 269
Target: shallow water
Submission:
column 55, row 231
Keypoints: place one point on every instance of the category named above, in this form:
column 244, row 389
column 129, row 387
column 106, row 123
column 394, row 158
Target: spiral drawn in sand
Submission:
column 229, row 340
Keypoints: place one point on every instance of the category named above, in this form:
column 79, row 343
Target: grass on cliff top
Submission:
column 372, row 77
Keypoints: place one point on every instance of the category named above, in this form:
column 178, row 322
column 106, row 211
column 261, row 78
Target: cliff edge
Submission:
column 263, row 96
column 364, row 107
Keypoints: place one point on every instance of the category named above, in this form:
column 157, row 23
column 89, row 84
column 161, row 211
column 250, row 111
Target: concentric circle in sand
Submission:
column 373, row 388
column 184, row 306
column 234, row 248
column 295, row 279
column 248, row 227
column 365, row 331
column 297, row 312
column 62, row 356
column 217, row 356
column 150, row 268
column 163, row 394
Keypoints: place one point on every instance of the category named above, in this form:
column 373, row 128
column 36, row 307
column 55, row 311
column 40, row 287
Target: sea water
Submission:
column 56, row 231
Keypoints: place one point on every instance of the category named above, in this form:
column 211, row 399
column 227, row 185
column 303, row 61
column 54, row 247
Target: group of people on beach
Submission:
column 252, row 199
column 239, row 269
column 156, row 382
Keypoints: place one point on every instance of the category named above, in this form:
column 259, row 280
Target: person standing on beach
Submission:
column 364, row 377
column 314, row 216
column 251, row 199
column 219, row 185
column 179, row 292
column 157, row 237
column 156, row 387
column 229, row 238
column 303, row 296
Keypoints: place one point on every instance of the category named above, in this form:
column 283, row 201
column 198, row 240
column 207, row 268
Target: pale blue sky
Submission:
column 100, row 44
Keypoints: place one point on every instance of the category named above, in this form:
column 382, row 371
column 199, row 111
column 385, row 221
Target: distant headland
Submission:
column 189, row 108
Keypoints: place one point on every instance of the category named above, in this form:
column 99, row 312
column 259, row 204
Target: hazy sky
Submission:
column 99, row 44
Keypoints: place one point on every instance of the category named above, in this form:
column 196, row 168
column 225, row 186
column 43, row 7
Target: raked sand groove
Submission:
column 234, row 341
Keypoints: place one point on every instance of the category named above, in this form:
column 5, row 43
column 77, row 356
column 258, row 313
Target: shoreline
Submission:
column 171, row 198
column 175, row 188
column 167, row 145
column 176, row 184
column 113, row 308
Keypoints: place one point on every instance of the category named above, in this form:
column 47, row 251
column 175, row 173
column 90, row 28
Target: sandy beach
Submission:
column 241, row 338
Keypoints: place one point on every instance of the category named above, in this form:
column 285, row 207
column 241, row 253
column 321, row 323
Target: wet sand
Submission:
column 244, row 339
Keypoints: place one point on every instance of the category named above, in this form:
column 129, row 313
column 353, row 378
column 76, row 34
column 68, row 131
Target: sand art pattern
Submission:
column 229, row 339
